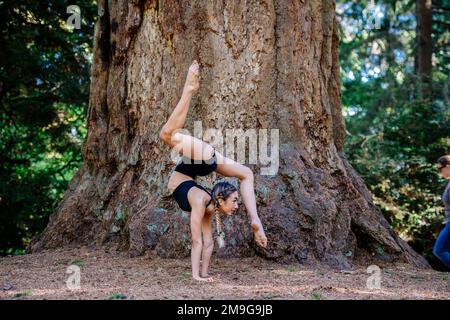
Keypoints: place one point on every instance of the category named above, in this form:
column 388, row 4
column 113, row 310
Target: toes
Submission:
column 195, row 69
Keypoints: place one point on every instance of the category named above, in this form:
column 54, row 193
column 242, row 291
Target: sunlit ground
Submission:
column 113, row 275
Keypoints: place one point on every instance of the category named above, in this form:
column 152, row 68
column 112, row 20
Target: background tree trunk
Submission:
column 265, row 64
column 423, row 57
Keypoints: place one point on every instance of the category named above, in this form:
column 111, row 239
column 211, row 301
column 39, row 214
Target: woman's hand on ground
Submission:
column 258, row 232
column 192, row 79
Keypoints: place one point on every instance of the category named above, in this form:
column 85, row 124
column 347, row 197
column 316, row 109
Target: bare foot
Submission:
column 192, row 79
column 210, row 279
column 207, row 275
column 260, row 236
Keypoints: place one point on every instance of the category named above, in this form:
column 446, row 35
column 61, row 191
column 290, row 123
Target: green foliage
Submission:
column 23, row 294
column 117, row 296
column 76, row 262
column 185, row 275
column 291, row 269
column 316, row 296
column 394, row 135
column 44, row 89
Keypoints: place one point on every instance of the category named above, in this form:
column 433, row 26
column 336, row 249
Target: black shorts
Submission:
column 180, row 194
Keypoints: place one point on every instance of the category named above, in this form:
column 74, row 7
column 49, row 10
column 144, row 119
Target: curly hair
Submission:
column 221, row 190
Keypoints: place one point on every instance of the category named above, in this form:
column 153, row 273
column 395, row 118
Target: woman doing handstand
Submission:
column 200, row 159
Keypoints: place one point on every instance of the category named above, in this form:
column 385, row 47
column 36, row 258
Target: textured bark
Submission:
column 424, row 45
column 265, row 64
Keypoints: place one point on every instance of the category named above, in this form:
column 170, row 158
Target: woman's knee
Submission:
column 164, row 135
column 247, row 174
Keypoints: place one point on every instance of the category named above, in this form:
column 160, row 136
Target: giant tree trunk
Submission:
column 265, row 64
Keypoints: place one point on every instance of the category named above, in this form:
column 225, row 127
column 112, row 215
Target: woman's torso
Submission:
column 187, row 171
column 190, row 169
column 176, row 179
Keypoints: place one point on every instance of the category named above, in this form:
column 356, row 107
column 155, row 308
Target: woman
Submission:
column 190, row 196
column 442, row 245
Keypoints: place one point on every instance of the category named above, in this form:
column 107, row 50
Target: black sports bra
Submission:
column 188, row 166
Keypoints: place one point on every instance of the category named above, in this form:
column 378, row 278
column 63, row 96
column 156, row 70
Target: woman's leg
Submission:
column 192, row 147
column 231, row 168
column 178, row 116
column 208, row 244
column 186, row 145
column 442, row 245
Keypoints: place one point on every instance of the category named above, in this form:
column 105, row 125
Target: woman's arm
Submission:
column 208, row 244
column 196, row 236
column 197, row 213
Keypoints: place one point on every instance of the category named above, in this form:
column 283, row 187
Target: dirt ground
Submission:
column 108, row 274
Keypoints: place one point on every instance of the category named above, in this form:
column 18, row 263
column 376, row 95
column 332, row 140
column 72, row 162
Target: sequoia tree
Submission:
column 264, row 65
